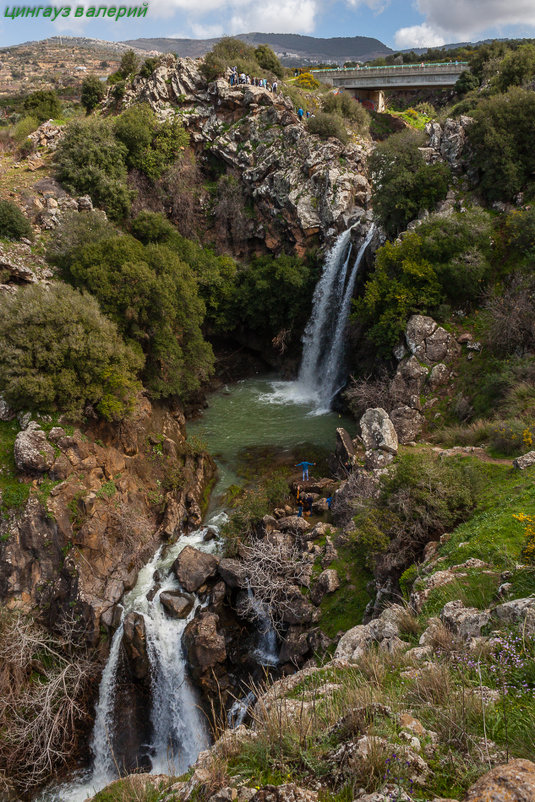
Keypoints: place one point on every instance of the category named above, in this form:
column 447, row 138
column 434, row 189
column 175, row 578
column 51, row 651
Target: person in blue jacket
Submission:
column 305, row 466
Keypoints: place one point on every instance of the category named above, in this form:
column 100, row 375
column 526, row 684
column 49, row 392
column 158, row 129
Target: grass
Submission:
column 14, row 492
column 345, row 607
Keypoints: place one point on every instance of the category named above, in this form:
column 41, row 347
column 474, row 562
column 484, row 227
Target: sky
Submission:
column 400, row 24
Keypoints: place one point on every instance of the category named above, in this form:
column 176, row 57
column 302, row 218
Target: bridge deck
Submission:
column 400, row 76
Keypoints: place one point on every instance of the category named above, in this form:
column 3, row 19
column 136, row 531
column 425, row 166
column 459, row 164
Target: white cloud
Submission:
column 290, row 16
column 375, row 5
column 418, row 36
column 464, row 18
column 200, row 31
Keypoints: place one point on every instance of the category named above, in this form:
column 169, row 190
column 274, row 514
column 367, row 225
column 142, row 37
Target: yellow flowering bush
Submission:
column 528, row 551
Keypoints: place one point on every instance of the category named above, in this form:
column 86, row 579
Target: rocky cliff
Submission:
column 302, row 189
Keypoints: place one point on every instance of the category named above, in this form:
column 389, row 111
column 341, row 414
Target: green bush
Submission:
column 327, row 125
column 153, row 298
column 89, row 159
column 403, row 184
column 501, row 139
column 445, row 261
column 148, row 67
column 43, row 104
column 517, row 68
column 24, row 128
column 58, row 352
column 92, row 92
column 466, row 82
column 76, row 230
column 13, row 224
column 267, row 60
column 151, row 147
column 349, row 108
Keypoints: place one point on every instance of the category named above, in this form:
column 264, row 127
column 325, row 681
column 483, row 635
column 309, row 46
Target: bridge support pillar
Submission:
column 371, row 97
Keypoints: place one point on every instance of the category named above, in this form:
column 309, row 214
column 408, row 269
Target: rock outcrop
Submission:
column 379, row 437
column 449, row 140
column 193, row 567
column 33, row 453
column 514, row 782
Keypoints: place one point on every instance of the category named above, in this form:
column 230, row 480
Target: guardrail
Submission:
column 448, row 64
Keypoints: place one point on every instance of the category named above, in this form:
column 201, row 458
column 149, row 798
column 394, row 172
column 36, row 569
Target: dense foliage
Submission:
column 151, row 146
column 43, row 105
column 230, row 52
column 89, row 159
column 403, row 184
column 152, row 296
column 92, row 92
column 59, row 352
column 502, row 143
column 349, row 108
column 446, row 261
column 13, row 224
column 327, row 125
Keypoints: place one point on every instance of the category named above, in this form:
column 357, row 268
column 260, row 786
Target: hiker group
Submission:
column 236, row 78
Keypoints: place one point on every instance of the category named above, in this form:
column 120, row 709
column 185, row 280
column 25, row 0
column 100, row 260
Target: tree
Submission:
column 466, row 82
column 129, row 64
column 89, row 159
column 517, row 67
column 58, row 352
column 403, row 184
column 74, row 231
column 13, row 224
column 92, row 93
column 135, row 128
column 267, row 60
column 43, row 104
column 151, row 146
column 502, row 144
column 153, row 298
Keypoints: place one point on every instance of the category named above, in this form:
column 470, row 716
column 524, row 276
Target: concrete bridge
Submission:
column 368, row 84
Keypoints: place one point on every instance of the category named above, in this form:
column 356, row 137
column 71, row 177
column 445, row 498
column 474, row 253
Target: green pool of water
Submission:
column 258, row 420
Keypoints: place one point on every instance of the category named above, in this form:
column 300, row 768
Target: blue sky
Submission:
column 398, row 23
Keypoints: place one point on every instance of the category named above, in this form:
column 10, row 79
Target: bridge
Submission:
column 368, row 84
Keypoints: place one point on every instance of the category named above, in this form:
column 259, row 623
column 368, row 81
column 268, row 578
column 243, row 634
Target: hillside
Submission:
column 291, row 48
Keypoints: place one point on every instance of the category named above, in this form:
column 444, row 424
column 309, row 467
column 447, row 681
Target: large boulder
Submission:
column 135, row 645
column 467, row 622
column 525, row 461
column 33, row 453
column 513, row 782
column 407, row 422
column 204, row 643
column 232, row 573
column 378, row 432
column 518, row 611
column 408, row 383
column 176, row 604
column 344, row 451
column 193, row 567
column 328, row 582
column 354, row 643
column 419, row 328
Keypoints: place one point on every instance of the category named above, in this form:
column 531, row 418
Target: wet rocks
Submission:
column 33, row 453
column 193, row 567
column 135, row 645
column 205, row 644
column 176, row 604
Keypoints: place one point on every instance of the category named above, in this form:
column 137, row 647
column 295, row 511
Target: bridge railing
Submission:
column 397, row 67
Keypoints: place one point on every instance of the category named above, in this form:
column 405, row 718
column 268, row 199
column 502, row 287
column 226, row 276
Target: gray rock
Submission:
column 376, row 460
column 467, row 622
column 33, row 453
column 293, row 523
column 518, row 611
column 407, row 422
column 6, row 413
column 328, row 581
column 232, row 573
column 439, row 375
column 344, row 451
column 409, row 381
column 377, row 431
column 419, row 328
column 525, row 461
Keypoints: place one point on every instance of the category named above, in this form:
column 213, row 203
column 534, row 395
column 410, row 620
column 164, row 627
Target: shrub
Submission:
column 519, row 234
column 466, row 82
column 502, row 143
column 58, row 352
column 152, row 296
column 74, row 231
column 89, row 159
column 148, row 67
column 517, row 68
column 267, row 60
column 43, row 104
column 306, row 80
column 151, row 147
column 13, row 224
column 403, row 184
column 327, row 125
column 92, row 93
column 24, row 128
column 349, row 108
column 511, row 317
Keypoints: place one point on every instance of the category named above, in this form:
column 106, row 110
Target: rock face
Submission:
column 33, row 453
column 135, row 644
column 204, row 643
column 193, row 567
column 450, row 141
column 379, row 438
column 299, row 185
column 78, row 554
column 467, row 622
column 345, row 451
column 514, row 782
column 407, row 422
column 232, row 573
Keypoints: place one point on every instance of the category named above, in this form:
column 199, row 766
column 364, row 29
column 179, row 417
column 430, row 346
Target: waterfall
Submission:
column 321, row 373
column 266, row 652
column 179, row 727
column 322, row 363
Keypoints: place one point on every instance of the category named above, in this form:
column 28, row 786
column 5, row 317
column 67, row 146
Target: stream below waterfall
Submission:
column 283, row 422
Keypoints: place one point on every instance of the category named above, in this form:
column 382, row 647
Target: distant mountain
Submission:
column 291, row 48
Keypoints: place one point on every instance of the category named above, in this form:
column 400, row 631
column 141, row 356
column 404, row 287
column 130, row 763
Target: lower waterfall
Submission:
column 179, row 728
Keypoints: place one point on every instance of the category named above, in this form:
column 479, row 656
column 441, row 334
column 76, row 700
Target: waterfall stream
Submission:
column 179, row 728
column 321, row 374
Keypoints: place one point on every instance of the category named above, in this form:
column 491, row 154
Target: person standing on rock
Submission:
column 300, row 113
column 274, row 87
column 305, row 466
